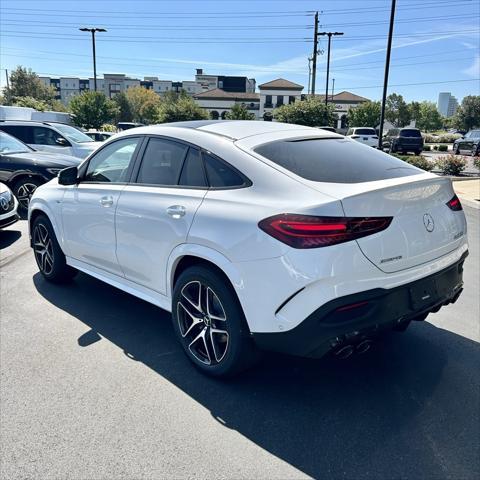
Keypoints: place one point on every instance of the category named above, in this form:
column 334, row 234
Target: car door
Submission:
column 48, row 140
column 88, row 208
column 155, row 212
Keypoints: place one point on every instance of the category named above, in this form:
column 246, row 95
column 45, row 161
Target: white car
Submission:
column 8, row 207
column 365, row 135
column 256, row 235
column 51, row 137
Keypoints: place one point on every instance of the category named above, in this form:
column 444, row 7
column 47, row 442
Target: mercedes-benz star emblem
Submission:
column 428, row 222
column 4, row 203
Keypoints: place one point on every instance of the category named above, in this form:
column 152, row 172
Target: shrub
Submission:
column 417, row 161
column 445, row 138
column 442, row 148
column 476, row 162
column 427, row 148
column 435, row 147
column 108, row 127
column 451, row 164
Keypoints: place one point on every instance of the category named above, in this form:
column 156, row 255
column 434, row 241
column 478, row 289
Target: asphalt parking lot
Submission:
column 95, row 386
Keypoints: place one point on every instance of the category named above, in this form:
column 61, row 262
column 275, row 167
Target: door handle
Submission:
column 176, row 211
column 106, row 201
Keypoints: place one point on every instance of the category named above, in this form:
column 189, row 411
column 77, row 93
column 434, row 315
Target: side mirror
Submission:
column 68, row 176
column 62, row 142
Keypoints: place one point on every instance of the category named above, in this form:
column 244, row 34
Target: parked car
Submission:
column 51, row 137
column 365, row 135
column 23, row 169
column 403, row 140
column 470, row 143
column 256, row 235
column 99, row 136
column 8, row 207
column 329, row 129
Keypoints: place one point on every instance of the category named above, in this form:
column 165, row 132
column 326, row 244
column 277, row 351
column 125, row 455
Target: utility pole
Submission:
column 6, row 75
column 330, row 35
column 333, row 88
column 315, row 53
column 387, row 68
column 309, row 73
column 93, row 30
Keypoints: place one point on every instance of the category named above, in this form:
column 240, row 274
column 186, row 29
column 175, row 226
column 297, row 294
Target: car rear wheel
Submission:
column 48, row 254
column 210, row 324
column 24, row 189
column 457, row 150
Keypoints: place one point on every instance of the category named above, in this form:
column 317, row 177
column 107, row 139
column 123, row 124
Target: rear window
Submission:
column 365, row 131
column 410, row 133
column 335, row 160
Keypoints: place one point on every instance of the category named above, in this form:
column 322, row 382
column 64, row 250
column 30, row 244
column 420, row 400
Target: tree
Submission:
column 92, row 109
column 30, row 102
column 178, row 108
column 311, row 112
column 143, row 104
column 124, row 108
column 365, row 115
column 396, row 110
column 414, row 110
column 429, row 117
column 468, row 114
column 239, row 112
column 26, row 83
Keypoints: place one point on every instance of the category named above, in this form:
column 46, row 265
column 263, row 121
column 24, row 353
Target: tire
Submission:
column 475, row 150
column 212, row 331
column 392, row 149
column 457, row 150
column 49, row 256
column 24, row 189
column 417, row 152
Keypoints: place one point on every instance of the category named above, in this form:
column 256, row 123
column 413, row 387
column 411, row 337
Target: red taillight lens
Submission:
column 306, row 231
column 454, row 204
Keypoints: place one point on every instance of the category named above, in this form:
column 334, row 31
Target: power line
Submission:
column 414, row 84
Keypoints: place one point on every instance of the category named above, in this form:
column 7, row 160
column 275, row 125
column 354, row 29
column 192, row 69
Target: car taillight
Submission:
column 306, row 231
column 454, row 204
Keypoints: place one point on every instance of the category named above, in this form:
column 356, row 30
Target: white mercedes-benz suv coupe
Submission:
column 256, row 236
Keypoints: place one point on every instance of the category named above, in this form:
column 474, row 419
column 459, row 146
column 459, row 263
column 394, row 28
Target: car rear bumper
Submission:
column 350, row 319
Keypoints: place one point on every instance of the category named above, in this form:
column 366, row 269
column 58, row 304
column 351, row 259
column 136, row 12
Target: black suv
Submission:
column 23, row 169
column 403, row 140
column 470, row 143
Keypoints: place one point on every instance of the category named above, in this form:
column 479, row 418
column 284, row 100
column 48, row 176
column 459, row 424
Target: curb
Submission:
column 469, row 203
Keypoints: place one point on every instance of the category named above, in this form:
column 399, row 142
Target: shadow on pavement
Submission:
column 406, row 409
column 8, row 237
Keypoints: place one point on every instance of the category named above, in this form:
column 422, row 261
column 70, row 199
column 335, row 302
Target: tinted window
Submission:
column 23, row 133
column 9, row 144
column 411, row 133
column 45, row 136
column 335, row 160
column 162, row 162
column 111, row 164
column 192, row 173
column 220, row 174
column 365, row 131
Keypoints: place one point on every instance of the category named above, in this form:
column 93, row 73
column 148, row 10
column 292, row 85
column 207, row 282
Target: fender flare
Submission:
column 204, row 253
column 40, row 206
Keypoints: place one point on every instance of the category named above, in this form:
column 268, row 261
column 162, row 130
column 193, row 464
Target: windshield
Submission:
column 473, row 134
column 10, row 144
column 74, row 135
column 365, row 131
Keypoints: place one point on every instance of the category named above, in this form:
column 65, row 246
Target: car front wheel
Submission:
column 210, row 324
column 457, row 150
column 48, row 254
column 24, row 189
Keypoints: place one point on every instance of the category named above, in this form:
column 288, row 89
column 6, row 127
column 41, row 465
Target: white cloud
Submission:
column 474, row 69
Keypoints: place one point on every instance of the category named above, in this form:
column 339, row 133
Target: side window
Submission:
column 220, row 174
column 44, row 136
column 111, row 164
column 162, row 162
column 22, row 133
column 192, row 173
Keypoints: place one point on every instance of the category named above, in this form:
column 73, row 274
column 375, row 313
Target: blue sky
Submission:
column 435, row 41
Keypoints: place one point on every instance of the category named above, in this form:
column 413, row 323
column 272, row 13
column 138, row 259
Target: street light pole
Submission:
column 92, row 31
column 329, row 34
column 387, row 68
